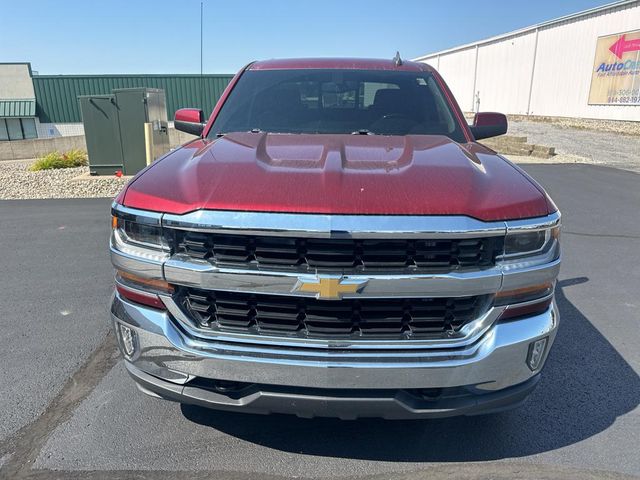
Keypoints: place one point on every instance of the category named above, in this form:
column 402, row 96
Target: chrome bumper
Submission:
column 480, row 367
column 495, row 362
column 347, row 405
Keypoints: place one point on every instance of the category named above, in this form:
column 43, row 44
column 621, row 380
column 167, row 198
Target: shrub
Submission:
column 78, row 157
column 70, row 159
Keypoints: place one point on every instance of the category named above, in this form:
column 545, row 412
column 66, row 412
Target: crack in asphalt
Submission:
column 601, row 235
column 24, row 446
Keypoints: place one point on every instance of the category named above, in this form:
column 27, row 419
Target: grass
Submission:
column 70, row 159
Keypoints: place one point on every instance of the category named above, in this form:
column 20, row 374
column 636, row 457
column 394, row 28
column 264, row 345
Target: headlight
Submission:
column 149, row 236
column 142, row 238
column 529, row 248
column 525, row 243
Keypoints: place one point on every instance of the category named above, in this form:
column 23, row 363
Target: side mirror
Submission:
column 189, row 120
column 488, row 124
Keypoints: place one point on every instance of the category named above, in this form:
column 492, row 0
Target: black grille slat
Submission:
column 339, row 254
column 311, row 317
column 330, row 263
column 234, row 323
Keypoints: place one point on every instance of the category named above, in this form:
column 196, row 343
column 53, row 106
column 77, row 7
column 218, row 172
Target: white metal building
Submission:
column 547, row 69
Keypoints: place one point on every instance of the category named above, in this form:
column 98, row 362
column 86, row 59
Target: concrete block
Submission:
column 23, row 149
column 58, row 144
column 511, row 139
column 6, row 152
column 508, row 147
column 79, row 142
column 540, row 151
column 42, row 148
column 515, row 151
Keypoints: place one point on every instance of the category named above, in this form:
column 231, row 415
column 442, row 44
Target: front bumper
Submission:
column 486, row 376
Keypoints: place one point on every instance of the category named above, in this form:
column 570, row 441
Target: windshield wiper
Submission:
column 362, row 131
column 253, row 130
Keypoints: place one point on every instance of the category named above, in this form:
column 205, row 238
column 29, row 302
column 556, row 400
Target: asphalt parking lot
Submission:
column 69, row 409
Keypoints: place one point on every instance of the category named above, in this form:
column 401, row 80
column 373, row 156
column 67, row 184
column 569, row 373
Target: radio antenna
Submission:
column 397, row 60
column 201, row 47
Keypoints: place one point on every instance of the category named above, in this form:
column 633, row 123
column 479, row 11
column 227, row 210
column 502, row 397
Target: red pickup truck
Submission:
column 336, row 243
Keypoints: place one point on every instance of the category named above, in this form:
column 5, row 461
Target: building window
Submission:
column 4, row 135
column 29, row 128
column 17, row 128
column 14, row 128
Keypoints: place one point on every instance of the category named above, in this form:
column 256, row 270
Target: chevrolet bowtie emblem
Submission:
column 329, row 288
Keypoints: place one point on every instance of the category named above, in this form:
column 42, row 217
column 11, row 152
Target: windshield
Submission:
column 337, row 102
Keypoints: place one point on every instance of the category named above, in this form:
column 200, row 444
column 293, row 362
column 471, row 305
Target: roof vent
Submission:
column 397, row 60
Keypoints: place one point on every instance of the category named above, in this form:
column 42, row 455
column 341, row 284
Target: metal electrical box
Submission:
column 102, row 134
column 114, row 127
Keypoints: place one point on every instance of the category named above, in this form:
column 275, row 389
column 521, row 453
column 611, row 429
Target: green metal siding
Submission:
column 57, row 95
column 18, row 108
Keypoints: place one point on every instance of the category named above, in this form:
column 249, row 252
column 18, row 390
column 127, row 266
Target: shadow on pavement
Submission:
column 585, row 386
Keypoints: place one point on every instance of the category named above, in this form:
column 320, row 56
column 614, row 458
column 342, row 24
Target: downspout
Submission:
column 475, row 79
column 533, row 70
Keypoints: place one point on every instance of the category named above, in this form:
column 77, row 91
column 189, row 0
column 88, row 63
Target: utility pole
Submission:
column 201, row 48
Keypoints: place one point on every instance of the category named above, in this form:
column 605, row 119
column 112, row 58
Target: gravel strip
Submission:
column 17, row 182
column 604, row 148
column 608, row 126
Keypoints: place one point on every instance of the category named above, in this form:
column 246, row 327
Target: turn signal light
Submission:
column 135, row 288
column 145, row 283
column 529, row 309
column 148, row 299
column 536, row 299
column 525, row 294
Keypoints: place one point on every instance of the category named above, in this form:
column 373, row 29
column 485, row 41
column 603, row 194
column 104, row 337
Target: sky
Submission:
column 163, row 36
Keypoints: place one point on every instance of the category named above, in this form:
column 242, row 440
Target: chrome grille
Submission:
column 314, row 318
column 338, row 254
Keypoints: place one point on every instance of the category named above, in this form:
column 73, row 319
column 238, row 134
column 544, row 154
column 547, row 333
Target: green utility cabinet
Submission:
column 114, row 127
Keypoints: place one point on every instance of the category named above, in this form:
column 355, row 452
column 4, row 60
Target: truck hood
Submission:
column 338, row 174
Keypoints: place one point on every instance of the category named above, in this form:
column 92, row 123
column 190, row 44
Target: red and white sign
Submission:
column 615, row 78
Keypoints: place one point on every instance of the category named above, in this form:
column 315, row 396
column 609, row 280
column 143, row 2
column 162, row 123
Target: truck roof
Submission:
column 338, row 63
